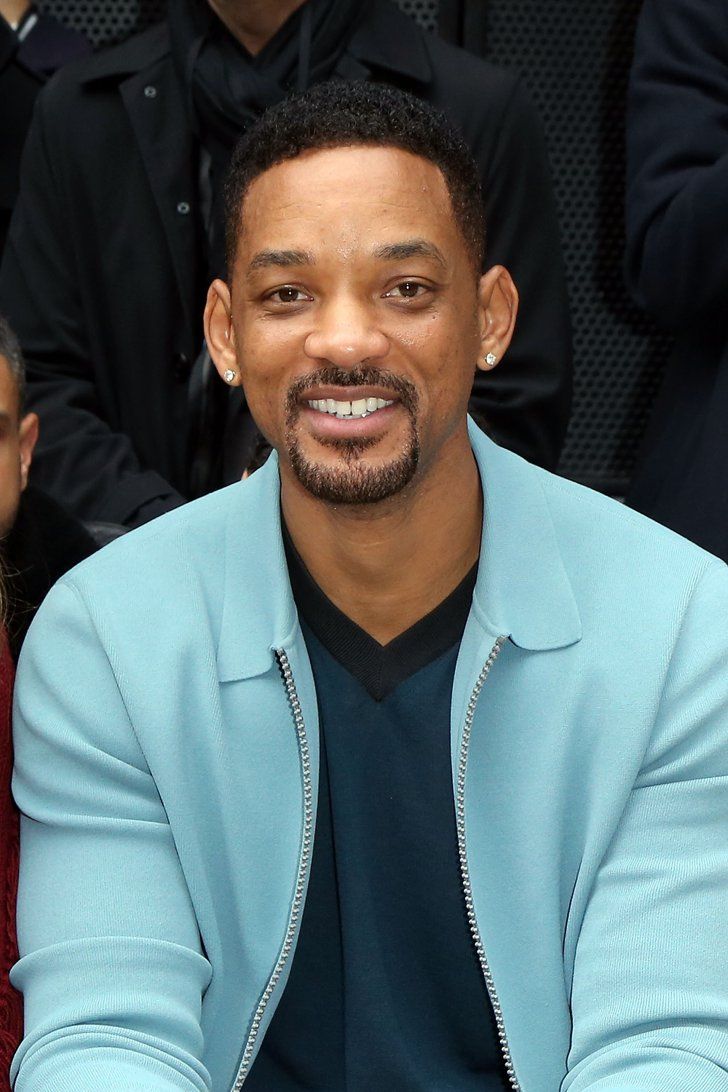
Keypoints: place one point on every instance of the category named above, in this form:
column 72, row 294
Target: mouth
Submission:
column 341, row 413
column 355, row 409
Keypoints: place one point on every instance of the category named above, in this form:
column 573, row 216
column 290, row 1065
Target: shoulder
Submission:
column 605, row 543
column 489, row 104
column 474, row 93
column 465, row 74
column 161, row 553
column 101, row 71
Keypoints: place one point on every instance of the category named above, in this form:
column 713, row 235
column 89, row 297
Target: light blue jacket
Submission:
column 167, row 758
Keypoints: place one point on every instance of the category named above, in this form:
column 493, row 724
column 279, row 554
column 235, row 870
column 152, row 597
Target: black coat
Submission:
column 104, row 282
column 677, row 226
column 25, row 65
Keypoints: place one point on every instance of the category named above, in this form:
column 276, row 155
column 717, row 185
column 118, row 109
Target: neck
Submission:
column 254, row 22
column 13, row 11
column 388, row 565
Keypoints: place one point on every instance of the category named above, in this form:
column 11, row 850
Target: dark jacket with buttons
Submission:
column 677, row 220
column 103, row 276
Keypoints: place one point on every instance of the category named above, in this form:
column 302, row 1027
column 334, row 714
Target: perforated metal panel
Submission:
column 106, row 21
column 575, row 58
column 425, row 12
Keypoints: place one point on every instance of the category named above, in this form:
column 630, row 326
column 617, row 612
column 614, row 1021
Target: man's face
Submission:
column 17, row 440
column 356, row 319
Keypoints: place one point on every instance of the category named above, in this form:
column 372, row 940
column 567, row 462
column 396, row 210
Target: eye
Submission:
column 406, row 290
column 288, row 294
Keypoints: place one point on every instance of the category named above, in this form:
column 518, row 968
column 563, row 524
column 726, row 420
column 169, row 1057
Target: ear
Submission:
column 219, row 332
column 498, row 307
column 27, row 439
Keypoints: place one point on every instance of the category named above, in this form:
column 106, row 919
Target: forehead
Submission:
column 350, row 199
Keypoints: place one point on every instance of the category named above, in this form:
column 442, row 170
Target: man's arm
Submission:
column 80, row 461
column 649, row 999
column 526, row 400
column 111, row 969
column 677, row 160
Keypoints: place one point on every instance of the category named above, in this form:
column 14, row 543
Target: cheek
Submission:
column 268, row 361
column 9, row 488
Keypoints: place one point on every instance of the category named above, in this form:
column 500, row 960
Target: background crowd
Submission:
column 110, row 410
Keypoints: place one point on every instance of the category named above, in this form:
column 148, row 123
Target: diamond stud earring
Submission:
column 490, row 359
column 230, row 376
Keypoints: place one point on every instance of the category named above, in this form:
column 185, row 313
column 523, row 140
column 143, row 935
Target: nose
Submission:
column 346, row 334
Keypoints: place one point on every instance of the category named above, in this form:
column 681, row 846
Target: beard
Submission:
column 354, row 480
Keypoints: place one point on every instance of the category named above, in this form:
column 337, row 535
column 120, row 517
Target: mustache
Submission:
column 362, row 376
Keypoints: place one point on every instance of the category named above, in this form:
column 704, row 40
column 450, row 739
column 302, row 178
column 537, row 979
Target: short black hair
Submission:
column 337, row 114
column 11, row 352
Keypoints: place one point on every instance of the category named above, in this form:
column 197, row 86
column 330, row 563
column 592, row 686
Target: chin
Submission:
column 353, row 479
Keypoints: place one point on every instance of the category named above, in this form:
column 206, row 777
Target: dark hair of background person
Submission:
column 336, row 114
column 13, row 354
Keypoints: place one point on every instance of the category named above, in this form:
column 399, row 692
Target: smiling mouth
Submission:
column 356, row 409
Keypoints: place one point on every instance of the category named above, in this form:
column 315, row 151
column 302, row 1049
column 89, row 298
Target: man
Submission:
column 38, row 540
column 401, row 764
column 119, row 233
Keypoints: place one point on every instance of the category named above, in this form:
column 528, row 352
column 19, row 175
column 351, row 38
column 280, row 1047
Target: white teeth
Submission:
column 360, row 407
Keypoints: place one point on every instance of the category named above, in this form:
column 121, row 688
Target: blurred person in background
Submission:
column 39, row 541
column 677, row 258
column 33, row 45
column 118, row 232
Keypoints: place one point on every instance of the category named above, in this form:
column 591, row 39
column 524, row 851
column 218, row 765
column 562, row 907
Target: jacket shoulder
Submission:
column 112, row 64
column 467, row 74
column 161, row 554
column 595, row 529
column 481, row 98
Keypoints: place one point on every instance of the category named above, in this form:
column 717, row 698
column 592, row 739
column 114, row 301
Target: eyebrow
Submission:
column 410, row 248
column 281, row 259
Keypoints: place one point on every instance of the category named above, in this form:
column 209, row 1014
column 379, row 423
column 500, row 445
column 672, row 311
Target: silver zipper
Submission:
column 465, row 868
column 305, row 860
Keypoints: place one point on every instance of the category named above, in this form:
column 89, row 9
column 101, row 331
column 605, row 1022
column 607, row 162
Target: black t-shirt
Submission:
column 385, row 989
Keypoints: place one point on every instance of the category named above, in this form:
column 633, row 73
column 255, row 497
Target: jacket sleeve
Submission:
column 677, row 160
column 649, row 1000
column 526, row 400
column 111, row 966
column 80, row 461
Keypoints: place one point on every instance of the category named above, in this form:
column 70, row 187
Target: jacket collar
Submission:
column 128, row 57
column 522, row 590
